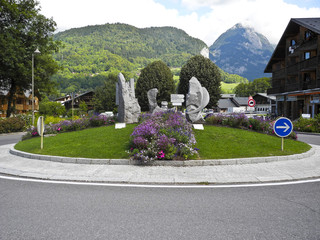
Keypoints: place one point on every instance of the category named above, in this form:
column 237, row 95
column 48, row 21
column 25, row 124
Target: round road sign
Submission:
column 251, row 102
column 282, row 127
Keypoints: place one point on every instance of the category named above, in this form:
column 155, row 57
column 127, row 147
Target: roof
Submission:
column 78, row 96
column 293, row 28
column 266, row 96
column 27, row 93
column 242, row 101
column 225, row 103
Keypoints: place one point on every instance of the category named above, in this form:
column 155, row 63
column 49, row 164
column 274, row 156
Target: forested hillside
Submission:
column 90, row 53
column 94, row 50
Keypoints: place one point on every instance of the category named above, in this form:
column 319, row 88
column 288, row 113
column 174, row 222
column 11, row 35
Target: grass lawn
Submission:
column 223, row 142
column 214, row 143
column 101, row 142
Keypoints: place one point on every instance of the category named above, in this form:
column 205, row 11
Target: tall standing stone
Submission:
column 128, row 107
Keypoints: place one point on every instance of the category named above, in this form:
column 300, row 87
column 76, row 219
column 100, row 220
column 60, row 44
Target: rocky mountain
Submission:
column 243, row 51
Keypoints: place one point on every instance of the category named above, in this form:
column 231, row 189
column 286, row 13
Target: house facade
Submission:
column 85, row 97
column 23, row 103
column 295, row 68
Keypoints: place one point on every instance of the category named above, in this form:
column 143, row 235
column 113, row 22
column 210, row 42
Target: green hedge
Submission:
column 12, row 124
column 308, row 125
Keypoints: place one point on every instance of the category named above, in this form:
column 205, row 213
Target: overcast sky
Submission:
column 203, row 19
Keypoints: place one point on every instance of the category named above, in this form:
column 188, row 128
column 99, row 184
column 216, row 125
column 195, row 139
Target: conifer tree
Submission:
column 156, row 75
column 207, row 74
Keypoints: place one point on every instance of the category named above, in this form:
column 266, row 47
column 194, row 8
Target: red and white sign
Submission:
column 251, row 102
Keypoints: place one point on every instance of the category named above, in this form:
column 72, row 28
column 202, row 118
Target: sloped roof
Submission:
column 78, row 96
column 242, row 101
column 293, row 28
column 225, row 103
column 266, row 96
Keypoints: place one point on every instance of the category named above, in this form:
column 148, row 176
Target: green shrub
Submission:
column 308, row 124
column 12, row 124
column 48, row 108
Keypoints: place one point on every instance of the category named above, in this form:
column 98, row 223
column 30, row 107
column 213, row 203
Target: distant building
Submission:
column 230, row 103
column 295, row 68
column 264, row 103
column 23, row 103
column 86, row 97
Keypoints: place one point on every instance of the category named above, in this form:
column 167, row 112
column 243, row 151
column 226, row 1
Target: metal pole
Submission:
column 32, row 89
column 282, row 143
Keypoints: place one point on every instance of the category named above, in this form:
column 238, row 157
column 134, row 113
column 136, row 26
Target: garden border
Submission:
column 186, row 163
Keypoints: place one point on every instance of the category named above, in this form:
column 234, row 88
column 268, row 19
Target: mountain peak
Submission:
column 243, row 51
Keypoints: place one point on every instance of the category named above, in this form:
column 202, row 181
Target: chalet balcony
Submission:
column 292, row 87
column 279, row 74
column 275, row 90
column 293, row 70
column 309, row 64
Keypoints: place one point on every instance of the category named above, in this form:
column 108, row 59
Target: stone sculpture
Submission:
column 196, row 100
column 152, row 99
column 128, row 107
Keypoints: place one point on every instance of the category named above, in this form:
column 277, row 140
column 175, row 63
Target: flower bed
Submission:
column 69, row 125
column 163, row 136
column 240, row 120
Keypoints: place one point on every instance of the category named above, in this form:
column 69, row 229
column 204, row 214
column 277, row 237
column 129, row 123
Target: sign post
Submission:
column 177, row 99
column 282, row 127
column 40, row 129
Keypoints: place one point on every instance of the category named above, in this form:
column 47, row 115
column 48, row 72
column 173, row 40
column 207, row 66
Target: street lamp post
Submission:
column 35, row 52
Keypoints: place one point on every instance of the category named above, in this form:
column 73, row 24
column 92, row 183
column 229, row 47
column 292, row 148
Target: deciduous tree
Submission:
column 22, row 30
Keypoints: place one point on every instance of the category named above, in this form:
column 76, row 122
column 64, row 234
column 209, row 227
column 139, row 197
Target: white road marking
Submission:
column 161, row 185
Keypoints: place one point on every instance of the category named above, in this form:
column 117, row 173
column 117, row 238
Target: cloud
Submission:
column 268, row 17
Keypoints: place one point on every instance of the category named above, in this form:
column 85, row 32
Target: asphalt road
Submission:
column 309, row 138
column 31, row 210
column 10, row 138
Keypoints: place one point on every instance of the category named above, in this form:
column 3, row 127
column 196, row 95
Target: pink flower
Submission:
column 161, row 155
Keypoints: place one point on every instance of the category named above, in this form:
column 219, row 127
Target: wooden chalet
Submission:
column 85, row 97
column 23, row 103
column 295, row 68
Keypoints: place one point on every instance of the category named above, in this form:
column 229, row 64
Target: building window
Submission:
column 307, row 35
column 306, row 78
column 307, row 55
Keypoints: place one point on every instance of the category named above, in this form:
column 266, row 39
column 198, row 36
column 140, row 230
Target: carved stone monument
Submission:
column 153, row 105
column 128, row 107
column 196, row 100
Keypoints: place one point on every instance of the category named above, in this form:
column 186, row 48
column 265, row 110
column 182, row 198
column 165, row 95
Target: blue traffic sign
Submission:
column 282, row 127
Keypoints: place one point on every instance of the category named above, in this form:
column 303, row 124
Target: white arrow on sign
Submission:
column 286, row 127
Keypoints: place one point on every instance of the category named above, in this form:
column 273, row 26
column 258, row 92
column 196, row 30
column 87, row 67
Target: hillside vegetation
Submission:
column 90, row 53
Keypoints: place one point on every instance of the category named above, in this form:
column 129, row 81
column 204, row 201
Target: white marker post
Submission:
column 40, row 129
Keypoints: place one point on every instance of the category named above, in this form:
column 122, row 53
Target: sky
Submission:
column 203, row 19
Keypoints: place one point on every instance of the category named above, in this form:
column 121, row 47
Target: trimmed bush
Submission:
column 308, row 125
column 12, row 124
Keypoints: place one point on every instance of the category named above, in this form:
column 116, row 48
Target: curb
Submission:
column 187, row 163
